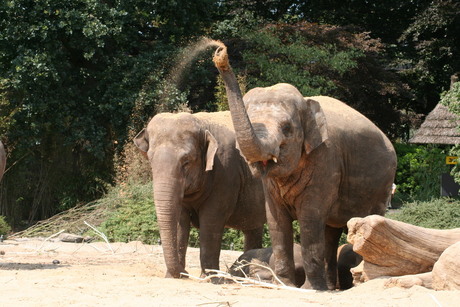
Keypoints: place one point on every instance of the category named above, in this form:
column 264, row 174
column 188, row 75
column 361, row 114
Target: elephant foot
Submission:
column 285, row 281
column 213, row 279
column 319, row 284
column 177, row 274
column 218, row 280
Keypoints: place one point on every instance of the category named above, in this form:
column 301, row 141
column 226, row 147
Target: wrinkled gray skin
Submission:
column 346, row 259
column 321, row 163
column 2, row 160
column 199, row 177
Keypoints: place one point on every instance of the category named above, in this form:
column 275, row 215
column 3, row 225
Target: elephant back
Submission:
column 222, row 118
column 339, row 114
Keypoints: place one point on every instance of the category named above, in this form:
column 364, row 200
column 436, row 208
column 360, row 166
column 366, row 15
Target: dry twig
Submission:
column 72, row 220
column 246, row 282
column 99, row 233
column 52, row 236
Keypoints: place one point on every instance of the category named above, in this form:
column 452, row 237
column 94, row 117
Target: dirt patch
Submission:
column 42, row 273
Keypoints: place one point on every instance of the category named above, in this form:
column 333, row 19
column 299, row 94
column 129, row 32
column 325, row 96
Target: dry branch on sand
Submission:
column 245, row 281
column 73, row 220
column 393, row 248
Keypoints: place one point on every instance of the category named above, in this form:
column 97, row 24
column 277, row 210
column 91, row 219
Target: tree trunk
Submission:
column 393, row 248
column 2, row 160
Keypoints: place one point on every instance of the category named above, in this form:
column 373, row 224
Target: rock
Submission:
column 71, row 238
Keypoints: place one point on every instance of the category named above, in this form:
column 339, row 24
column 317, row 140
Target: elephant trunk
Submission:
column 167, row 196
column 249, row 144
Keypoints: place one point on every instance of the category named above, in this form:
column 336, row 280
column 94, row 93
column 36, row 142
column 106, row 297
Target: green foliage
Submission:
column 134, row 215
column 441, row 213
column 429, row 49
column 133, row 218
column 79, row 78
column 319, row 60
column 283, row 56
column 73, row 74
column 5, row 228
column 233, row 239
column 419, row 170
column 451, row 99
column 221, row 93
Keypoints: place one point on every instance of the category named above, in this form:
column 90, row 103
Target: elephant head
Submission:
column 179, row 155
column 273, row 125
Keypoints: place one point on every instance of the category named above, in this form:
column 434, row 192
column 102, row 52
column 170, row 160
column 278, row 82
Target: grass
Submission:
column 127, row 213
column 439, row 213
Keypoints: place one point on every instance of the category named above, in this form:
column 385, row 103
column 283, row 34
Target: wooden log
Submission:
column 446, row 271
column 445, row 274
column 393, row 248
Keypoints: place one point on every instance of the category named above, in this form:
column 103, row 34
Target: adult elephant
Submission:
column 321, row 162
column 2, row 160
column 199, row 177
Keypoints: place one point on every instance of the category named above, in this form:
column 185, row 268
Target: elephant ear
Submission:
column 315, row 126
column 141, row 141
column 212, row 146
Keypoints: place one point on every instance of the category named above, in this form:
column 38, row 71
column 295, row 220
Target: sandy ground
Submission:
column 91, row 274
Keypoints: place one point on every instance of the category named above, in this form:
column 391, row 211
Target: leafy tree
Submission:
column 418, row 175
column 451, row 99
column 385, row 20
column 429, row 49
column 319, row 60
column 72, row 75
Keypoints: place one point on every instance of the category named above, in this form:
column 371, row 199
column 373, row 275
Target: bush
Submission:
column 419, row 170
column 442, row 213
column 5, row 228
column 134, row 216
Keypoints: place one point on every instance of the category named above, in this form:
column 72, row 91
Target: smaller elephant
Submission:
column 200, row 179
column 346, row 259
column 264, row 256
column 2, row 160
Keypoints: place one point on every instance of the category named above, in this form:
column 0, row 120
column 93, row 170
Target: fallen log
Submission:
column 445, row 274
column 393, row 248
column 446, row 271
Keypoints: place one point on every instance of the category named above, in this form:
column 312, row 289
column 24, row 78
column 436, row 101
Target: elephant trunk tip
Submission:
column 220, row 58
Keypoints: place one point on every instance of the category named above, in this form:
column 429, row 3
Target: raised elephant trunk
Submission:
column 250, row 145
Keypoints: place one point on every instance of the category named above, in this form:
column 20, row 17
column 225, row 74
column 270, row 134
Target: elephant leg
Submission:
column 312, row 234
column 253, row 238
column 183, row 235
column 332, row 237
column 210, row 245
column 281, row 233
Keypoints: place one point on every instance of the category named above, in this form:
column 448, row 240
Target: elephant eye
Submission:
column 186, row 162
column 286, row 128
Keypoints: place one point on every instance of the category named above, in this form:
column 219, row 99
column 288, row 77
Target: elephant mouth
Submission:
column 265, row 167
